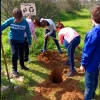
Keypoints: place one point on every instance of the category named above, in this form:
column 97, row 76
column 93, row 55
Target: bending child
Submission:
column 50, row 31
column 70, row 39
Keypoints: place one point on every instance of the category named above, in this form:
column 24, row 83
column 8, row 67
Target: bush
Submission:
column 44, row 8
column 69, row 5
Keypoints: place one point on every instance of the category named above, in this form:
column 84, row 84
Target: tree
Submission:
column 69, row 5
column 44, row 8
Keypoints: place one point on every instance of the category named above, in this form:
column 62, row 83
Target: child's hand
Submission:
column 36, row 42
column 82, row 68
column 78, row 48
column 45, row 36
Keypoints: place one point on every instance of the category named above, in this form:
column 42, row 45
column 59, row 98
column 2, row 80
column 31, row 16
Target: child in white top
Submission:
column 50, row 31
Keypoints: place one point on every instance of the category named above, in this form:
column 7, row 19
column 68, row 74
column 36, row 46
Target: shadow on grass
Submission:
column 39, row 96
column 38, row 73
column 23, row 94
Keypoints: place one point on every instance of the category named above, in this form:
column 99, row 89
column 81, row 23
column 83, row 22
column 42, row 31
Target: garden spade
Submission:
column 58, row 40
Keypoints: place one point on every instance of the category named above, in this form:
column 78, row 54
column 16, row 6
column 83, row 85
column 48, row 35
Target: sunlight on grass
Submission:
column 32, row 78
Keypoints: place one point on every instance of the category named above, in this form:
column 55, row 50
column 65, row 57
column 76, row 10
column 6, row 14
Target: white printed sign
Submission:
column 28, row 9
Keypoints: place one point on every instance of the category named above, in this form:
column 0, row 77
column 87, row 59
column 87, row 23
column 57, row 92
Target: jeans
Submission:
column 26, row 50
column 91, row 82
column 70, row 47
column 46, row 40
column 17, row 52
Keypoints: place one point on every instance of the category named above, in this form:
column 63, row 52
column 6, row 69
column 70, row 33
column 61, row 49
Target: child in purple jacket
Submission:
column 32, row 30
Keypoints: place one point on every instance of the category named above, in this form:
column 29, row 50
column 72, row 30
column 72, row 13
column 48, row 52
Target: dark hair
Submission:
column 17, row 13
column 44, row 23
column 36, row 22
column 96, row 14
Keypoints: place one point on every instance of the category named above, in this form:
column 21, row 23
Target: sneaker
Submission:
column 30, row 60
column 24, row 68
column 59, row 51
column 71, row 73
column 66, row 63
column 15, row 73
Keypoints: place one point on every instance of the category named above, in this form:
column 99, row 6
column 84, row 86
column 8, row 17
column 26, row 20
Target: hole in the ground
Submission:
column 56, row 75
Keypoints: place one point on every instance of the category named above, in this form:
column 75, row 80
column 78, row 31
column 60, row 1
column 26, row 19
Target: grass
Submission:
column 80, row 21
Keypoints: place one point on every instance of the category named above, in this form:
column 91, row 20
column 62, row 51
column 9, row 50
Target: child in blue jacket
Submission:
column 91, row 56
column 18, row 26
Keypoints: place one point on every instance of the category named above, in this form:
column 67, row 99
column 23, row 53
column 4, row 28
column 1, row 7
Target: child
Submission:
column 32, row 29
column 59, row 26
column 70, row 39
column 50, row 31
column 91, row 56
column 18, row 26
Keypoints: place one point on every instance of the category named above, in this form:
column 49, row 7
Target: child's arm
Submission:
column 61, row 38
column 50, row 32
column 89, row 46
column 33, row 32
column 28, row 33
column 6, row 24
column 34, row 36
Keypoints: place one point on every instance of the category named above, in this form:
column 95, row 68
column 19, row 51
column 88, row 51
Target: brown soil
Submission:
column 58, row 86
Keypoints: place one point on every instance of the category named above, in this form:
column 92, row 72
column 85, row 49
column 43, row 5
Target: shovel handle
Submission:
column 53, row 38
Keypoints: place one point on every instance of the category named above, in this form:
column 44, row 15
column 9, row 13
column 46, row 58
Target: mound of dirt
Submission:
column 51, row 58
column 58, row 86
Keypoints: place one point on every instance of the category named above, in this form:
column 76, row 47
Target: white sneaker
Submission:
column 30, row 60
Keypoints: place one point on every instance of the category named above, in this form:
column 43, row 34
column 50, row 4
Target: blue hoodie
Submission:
column 17, row 30
column 91, row 51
